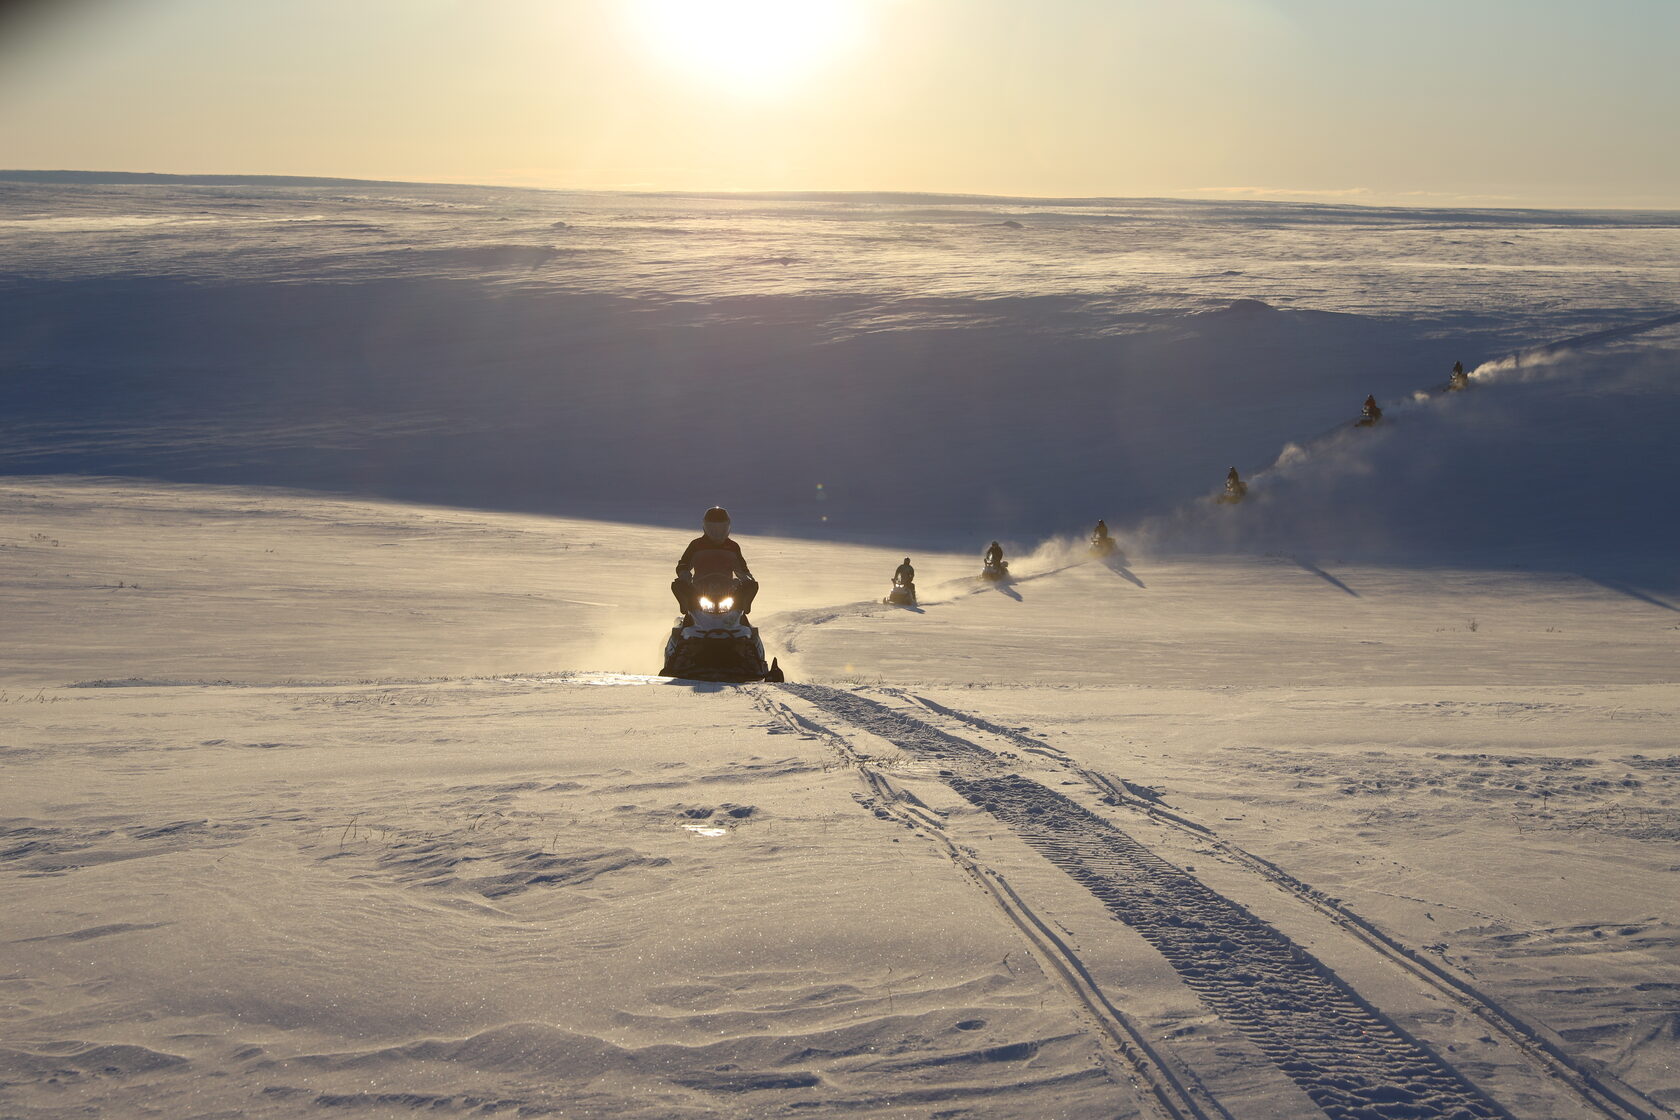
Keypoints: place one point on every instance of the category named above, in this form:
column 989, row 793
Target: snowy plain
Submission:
column 334, row 536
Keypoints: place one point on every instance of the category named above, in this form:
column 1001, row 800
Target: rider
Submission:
column 1370, row 411
column 994, row 555
column 906, row 575
column 713, row 553
column 1234, row 485
column 1459, row 378
column 1101, row 535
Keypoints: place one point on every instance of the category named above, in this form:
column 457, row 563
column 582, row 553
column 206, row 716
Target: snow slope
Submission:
column 1358, row 799
column 341, row 808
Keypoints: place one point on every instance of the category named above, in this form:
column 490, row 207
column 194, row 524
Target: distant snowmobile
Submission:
column 1369, row 415
column 1458, row 379
column 1235, row 488
column 1101, row 543
column 996, row 568
column 903, row 593
column 713, row 643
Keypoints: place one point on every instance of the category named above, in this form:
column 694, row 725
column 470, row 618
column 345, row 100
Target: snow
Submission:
column 332, row 576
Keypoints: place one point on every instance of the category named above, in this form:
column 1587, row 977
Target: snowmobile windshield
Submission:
column 716, row 594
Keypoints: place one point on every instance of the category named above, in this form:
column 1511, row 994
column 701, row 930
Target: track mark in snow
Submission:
column 1350, row 1060
column 1345, row 1055
column 1596, row 1088
column 904, row 731
column 1127, row 1048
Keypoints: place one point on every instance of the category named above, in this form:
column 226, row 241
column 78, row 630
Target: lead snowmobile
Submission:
column 996, row 568
column 1458, row 380
column 712, row 642
column 1101, row 543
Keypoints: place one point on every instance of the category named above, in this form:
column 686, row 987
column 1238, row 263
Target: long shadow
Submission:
column 1117, row 565
column 1005, row 589
column 1308, row 566
column 1631, row 592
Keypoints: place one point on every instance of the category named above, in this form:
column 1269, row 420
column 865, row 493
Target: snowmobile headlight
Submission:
column 725, row 603
column 706, row 604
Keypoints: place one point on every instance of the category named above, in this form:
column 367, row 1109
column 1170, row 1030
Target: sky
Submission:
column 1425, row 102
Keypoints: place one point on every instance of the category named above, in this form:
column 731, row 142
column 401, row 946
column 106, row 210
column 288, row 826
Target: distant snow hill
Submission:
column 1557, row 452
column 905, row 370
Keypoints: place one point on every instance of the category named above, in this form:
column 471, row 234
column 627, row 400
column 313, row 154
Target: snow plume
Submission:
column 1532, row 366
column 1555, row 358
column 632, row 641
column 1556, row 457
column 1049, row 556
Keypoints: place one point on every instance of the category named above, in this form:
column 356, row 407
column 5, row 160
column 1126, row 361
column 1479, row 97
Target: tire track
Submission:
column 1342, row 1052
column 1604, row 1093
column 1175, row 1094
column 1349, row 1058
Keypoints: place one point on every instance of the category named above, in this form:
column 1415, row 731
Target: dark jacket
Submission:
column 704, row 557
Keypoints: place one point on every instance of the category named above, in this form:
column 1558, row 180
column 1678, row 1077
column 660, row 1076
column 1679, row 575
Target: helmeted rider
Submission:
column 905, row 576
column 1100, row 535
column 713, row 553
column 994, row 555
column 1233, row 481
column 1459, row 378
column 1370, row 411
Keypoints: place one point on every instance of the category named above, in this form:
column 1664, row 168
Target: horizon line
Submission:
column 70, row 176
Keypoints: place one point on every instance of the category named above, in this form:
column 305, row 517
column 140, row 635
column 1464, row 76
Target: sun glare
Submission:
column 756, row 46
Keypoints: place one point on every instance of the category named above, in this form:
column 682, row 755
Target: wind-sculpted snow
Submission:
column 359, row 821
column 904, row 371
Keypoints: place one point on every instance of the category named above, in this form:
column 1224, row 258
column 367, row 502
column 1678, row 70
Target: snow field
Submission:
column 544, row 882
column 386, row 906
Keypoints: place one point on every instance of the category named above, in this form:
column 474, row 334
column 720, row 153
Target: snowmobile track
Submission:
column 1602, row 1092
column 1345, row 1055
column 1175, row 1094
column 1350, row 1059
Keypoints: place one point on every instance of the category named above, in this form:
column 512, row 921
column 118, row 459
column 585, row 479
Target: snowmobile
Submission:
column 1235, row 489
column 1368, row 415
column 996, row 571
column 713, row 642
column 1458, row 379
column 1101, row 543
column 903, row 593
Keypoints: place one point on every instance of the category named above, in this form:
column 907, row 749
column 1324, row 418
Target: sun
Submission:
column 750, row 46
